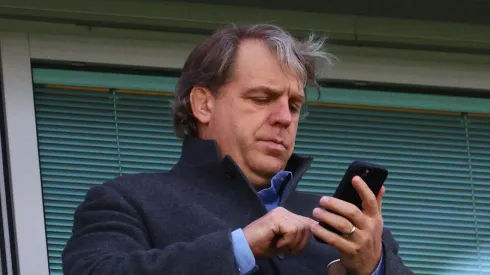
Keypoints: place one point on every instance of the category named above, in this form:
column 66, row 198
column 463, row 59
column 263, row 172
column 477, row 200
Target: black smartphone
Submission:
column 373, row 175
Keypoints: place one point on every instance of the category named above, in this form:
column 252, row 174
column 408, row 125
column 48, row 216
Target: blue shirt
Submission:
column 244, row 258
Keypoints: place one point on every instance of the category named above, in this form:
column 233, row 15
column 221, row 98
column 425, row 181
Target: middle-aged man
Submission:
column 229, row 206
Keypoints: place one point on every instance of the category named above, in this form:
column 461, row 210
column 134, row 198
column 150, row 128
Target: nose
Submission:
column 281, row 114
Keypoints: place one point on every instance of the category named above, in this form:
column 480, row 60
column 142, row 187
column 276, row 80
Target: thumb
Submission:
column 309, row 221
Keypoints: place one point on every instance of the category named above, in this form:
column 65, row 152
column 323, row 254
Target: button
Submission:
column 280, row 256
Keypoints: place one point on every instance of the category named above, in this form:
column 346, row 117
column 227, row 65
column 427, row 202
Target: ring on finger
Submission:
column 351, row 231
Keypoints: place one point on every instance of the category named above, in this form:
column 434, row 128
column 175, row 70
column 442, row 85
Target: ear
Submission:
column 202, row 102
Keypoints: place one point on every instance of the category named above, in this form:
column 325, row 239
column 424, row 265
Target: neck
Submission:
column 199, row 152
column 258, row 181
column 261, row 185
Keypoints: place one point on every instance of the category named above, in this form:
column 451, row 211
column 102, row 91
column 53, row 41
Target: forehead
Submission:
column 257, row 65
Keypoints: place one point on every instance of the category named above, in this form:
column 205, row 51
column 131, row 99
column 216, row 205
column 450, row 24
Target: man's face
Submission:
column 255, row 117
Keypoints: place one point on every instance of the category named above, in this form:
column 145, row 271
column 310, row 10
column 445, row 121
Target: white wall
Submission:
column 22, row 152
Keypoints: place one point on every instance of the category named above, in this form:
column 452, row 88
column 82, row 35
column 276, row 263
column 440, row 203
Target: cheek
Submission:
column 249, row 124
column 292, row 132
column 234, row 127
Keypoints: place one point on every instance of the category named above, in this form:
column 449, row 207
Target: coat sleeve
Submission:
column 109, row 238
column 393, row 264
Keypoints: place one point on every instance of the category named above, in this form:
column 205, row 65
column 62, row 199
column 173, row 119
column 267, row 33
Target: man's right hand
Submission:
column 276, row 232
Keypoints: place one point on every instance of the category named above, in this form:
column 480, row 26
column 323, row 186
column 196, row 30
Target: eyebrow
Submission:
column 270, row 90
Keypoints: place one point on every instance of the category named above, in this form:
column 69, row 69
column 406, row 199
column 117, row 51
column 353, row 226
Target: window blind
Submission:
column 479, row 158
column 429, row 203
column 437, row 192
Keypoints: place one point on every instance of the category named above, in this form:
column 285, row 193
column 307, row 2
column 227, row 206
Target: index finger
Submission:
column 369, row 202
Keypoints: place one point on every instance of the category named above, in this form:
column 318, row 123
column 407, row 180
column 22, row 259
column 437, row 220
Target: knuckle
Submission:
column 372, row 202
column 294, row 229
column 274, row 212
column 280, row 209
column 363, row 240
column 357, row 213
column 376, row 223
column 306, row 224
column 353, row 212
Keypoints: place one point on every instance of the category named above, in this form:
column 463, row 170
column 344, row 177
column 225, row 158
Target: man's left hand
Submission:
column 360, row 251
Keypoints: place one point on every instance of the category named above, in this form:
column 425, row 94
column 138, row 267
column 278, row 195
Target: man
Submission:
column 229, row 206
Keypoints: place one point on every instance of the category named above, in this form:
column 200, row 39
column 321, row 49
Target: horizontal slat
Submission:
column 420, row 175
column 428, row 204
column 479, row 143
column 86, row 138
column 53, row 148
column 90, row 177
column 146, row 137
column 78, row 149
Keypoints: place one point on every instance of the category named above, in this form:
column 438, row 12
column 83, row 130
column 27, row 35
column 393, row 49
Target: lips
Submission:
column 275, row 144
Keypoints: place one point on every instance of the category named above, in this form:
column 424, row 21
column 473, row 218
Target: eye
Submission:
column 294, row 108
column 260, row 100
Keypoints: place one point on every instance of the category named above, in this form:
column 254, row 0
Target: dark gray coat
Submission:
column 180, row 222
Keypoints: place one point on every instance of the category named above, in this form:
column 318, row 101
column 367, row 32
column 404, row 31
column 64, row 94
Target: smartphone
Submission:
column 373, row 175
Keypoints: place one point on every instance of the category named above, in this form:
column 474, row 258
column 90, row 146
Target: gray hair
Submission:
column 211, row 62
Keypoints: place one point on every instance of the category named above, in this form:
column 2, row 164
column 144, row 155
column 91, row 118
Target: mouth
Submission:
column 275, row 145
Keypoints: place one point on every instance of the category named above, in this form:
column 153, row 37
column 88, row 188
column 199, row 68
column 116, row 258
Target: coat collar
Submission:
column 201, row 153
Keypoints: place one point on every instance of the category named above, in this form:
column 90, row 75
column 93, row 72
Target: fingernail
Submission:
column 325, row 199
column 316, row 210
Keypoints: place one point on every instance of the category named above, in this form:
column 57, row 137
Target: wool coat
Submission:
column 180, row 222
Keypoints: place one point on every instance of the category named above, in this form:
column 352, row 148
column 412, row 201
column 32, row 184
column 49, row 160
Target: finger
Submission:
column 369, row 202
column 344, row 246
column 299, row 234
column 310, row 221
column 290, row 228
column 283, row 241
column 379, row 197
column 346, row 210
column 307, row 232
column 302, row 232
column 338, row 222
column 303, row 235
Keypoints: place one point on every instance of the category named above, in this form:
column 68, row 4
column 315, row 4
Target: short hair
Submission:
column 210, row 64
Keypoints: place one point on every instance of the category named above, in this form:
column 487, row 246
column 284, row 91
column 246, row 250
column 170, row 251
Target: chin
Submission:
column 269, row 165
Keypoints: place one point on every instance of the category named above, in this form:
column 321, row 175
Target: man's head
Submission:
column 244, row 87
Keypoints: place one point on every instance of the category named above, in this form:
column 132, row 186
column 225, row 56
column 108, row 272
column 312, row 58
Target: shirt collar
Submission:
column 269, row 195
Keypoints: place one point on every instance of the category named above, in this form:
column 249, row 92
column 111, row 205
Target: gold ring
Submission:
column 351, row 231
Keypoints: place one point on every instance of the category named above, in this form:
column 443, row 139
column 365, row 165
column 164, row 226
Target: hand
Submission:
column 360, row 251
column 278, row 231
